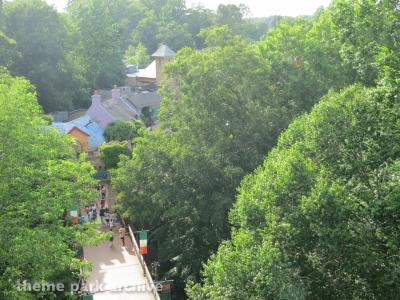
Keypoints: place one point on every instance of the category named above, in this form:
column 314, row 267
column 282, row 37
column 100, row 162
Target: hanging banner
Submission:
column 143, row 242
column 74, row 214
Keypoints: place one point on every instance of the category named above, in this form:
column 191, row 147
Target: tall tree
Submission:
column 98, row 44
column 137, row 55
column 223, row 109
column 40, row 37
column 40, row 181
column 319, row 220
column 8, row 52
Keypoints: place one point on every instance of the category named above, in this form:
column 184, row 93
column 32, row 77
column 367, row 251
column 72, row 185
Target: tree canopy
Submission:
column 123, row 130
column 40, row 39
column 319, row 219
column 215, row 129
column 67, row 55
column 316, row 220
column 40, row 181
column 273, row 171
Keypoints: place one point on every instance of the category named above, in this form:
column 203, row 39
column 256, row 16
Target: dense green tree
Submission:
column 214, row 129
column 40, row 181
column 137, row 56
column 257, row 28
column 98, row 47
column 146, row 32
column 126, row 14
column 363, row 27
column 319, row 220
column 7, row 50
column 231, row 14
column 123, row 130
column 40, row 37
column 175, row 34
column 162, row 22
column 110, row 153
column 198, row 18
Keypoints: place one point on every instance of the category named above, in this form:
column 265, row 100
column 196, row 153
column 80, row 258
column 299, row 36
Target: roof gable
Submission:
column 145, row 99
column 78, row 129
column 119, row 109
column 86, row 125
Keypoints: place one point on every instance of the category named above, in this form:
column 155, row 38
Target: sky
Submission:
column 258, row 8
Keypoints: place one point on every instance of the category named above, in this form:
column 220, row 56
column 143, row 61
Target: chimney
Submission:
column 96, row 98
column 115, row 92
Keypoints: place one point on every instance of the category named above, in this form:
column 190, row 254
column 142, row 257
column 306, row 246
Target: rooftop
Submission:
column 120, row 109
column 164, row 51
column 148, row 72
column 144, row 99
column 85, row 124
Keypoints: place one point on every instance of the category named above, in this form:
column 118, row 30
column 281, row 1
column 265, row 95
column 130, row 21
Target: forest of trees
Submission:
column 273, row 174
column 66, row 55
column 320, row 218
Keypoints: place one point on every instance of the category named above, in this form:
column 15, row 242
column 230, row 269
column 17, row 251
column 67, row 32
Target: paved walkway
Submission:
column 116, row 268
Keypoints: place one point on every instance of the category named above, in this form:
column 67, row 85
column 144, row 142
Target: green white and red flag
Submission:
column 74, row 214
column 143, row 242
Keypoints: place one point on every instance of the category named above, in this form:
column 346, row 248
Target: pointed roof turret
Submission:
column 164, row 51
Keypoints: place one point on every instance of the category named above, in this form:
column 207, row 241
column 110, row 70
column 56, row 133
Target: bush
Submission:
column 123, row 130
column 110, row 153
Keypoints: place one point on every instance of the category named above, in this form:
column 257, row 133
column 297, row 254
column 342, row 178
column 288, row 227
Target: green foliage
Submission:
column 232, row 15
column 123, row 130
column 137, row 56
column 98, row 45
column 324, row 201
column 213, row 130
column 66, row 55
column 40, row 52
column 363, row 27
column 219, row 36
column 39, row 182
column 110, row 153
column 7, row 48
column 319, row 219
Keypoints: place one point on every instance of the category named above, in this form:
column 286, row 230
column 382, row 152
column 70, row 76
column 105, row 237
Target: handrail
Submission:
column 143, row 264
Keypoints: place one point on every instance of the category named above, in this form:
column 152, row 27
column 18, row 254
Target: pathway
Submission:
column 117, row 273
column 116, row 268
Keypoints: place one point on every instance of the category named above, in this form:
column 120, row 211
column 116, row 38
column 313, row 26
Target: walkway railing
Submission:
column 143, row 264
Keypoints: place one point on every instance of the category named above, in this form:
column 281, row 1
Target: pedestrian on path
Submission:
column 102, row 214
column 94, row 215
column 107, row 218
column 122, row 232
column 103, row 192
column 111, row 221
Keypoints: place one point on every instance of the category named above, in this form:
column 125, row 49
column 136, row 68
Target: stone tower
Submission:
column 162, row 56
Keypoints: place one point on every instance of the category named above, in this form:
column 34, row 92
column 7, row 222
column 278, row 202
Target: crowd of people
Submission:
column 108, row 218
column 92, row 213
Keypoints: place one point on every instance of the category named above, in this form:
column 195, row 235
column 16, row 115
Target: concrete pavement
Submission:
column 116, row 268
